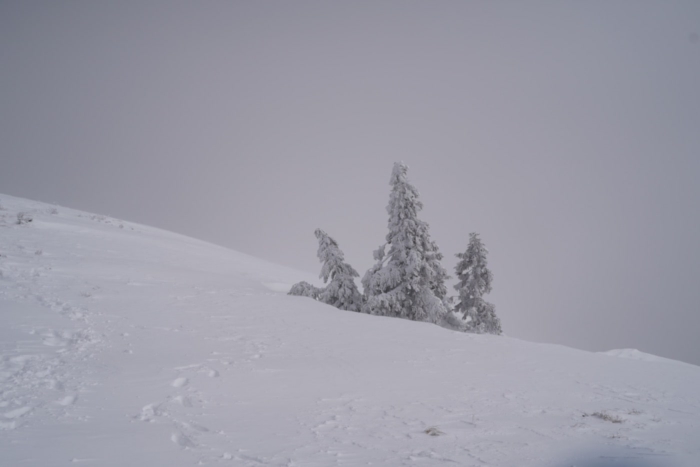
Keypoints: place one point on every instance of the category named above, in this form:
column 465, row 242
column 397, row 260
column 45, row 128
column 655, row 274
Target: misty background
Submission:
column 566, row 133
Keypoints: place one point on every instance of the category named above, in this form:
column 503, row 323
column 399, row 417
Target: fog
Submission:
column 566, row 133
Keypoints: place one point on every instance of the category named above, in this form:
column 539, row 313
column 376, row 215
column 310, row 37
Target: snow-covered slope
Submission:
column 124, row 345
column 635, row 354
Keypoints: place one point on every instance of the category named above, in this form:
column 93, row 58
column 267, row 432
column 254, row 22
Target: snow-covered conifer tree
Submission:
column 369, row 282
column 486, row 320
column 475, row 280
column 341, row 292
column 304, row 289
column 409, row 282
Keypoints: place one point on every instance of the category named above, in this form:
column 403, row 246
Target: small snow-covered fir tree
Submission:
column 341, row 292
column 485, row 320
column 475, row 280
column 304, row 289
column 409, row 281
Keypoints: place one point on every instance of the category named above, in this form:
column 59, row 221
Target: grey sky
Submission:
column 566, row 133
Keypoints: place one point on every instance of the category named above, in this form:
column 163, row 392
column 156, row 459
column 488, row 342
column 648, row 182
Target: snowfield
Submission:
column 125, row 345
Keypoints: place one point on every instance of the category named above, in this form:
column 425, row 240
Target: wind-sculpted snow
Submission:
column 122, row 345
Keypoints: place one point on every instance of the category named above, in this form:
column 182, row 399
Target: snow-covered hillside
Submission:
column 125, row 345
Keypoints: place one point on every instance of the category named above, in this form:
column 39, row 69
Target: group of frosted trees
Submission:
column 408, row 280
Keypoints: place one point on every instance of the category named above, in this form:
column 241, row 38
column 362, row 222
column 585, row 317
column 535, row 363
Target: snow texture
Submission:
column 125, row 345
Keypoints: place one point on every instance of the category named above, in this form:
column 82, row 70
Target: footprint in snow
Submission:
column 68, row 400
column 181, row 440
column 183, row 401
column 7, row 425
column 17, row 413
column 150, row 411
column 180, row 382
column 201, row 368
column 194, row 427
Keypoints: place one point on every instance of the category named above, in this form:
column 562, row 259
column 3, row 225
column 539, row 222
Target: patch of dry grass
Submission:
column 605, row 416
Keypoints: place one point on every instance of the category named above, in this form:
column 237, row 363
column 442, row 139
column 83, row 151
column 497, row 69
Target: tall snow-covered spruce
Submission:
column 475, row 280
column 408, row 281
column 341, row 292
